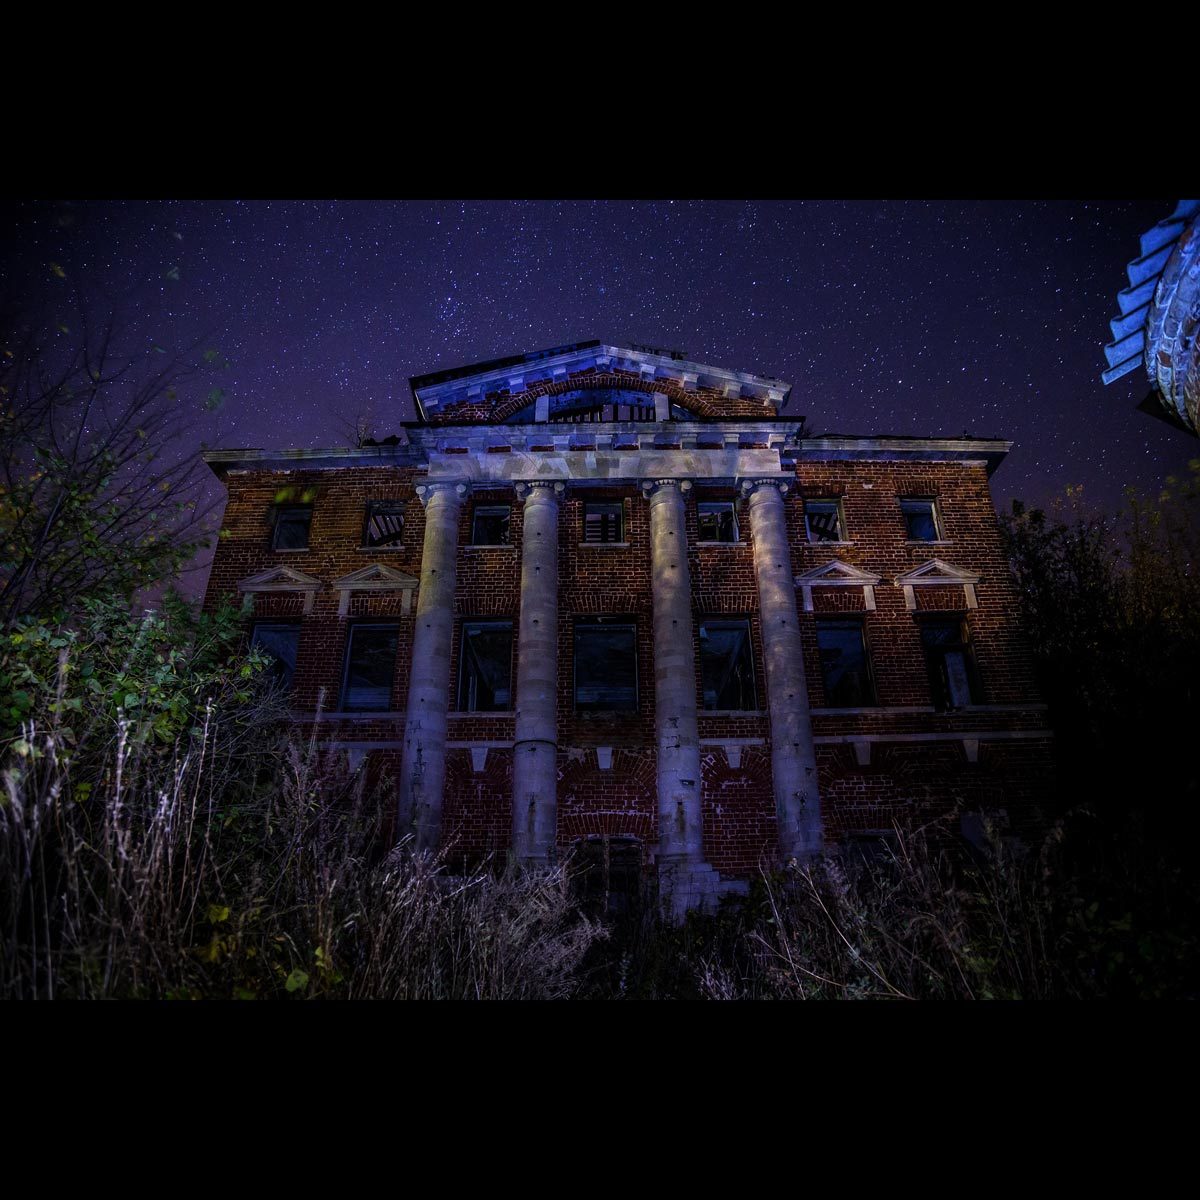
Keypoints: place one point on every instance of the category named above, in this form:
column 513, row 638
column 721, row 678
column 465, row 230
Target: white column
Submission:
column 680, row 828
column 535, row 751
column 793, row 756
column 423, row 770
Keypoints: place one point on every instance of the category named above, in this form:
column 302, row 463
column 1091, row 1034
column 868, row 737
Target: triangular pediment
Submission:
column 937, row 571
column 552, row 384
column 836, row 572
column 280, row 579
column 377, row 575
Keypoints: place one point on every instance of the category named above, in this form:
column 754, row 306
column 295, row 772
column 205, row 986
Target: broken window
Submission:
column 844, row 664
column 823, row 520
column 605, row 665
column 603, row 522
column 920, row 519
column 952, row 679
column 370, row 668
column 385, row 524
column 727, row 665
column 491, row 526
column 485, row 667
column 291, row 527
column 280, row 642
column 717, row 520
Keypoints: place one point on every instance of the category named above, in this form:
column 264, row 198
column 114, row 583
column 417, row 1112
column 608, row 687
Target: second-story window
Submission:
column 370, row 668
column 291, row 527
column 952, row 675
column 921, row 520
column 844, row 664
column 490, row 527
column 279, row 641
column 727, row 665
column 485, row 667
column 385, row 524
column 603, row 522
column 823, row 521
column 605, row 665
column 717, row 521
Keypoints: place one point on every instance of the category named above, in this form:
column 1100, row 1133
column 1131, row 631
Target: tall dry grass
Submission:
column 243, row 863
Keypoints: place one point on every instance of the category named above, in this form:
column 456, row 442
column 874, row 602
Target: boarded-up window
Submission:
column 844, row 664
column 823, row 520
column 370, row 668
column 485, row 667
column 605, row 665
column 603, row 522
column 385, row 524
column 727, row 665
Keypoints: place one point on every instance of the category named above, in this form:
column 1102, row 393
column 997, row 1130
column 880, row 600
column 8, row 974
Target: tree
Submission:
column 99, row 494
column 1111, row 605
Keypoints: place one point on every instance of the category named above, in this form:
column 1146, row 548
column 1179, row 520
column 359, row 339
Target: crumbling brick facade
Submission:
column 896, row 758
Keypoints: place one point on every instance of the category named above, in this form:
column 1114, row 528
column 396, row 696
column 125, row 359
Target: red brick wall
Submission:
column 905, row 780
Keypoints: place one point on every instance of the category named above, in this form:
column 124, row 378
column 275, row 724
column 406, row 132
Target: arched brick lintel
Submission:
column 703, row 402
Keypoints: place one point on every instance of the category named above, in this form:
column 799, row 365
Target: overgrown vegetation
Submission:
column 165, row 833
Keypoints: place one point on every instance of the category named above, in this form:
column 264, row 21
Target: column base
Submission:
column 684, row 886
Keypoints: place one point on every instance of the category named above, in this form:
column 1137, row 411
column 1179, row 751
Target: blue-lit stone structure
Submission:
column 1159, row 319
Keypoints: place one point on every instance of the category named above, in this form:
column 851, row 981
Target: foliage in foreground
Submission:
column 163, row 833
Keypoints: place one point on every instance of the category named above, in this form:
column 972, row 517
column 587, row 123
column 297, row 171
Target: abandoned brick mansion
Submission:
column 605, row 593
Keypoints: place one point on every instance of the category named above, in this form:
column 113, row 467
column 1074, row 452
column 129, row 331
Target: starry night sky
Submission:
column 911, row 317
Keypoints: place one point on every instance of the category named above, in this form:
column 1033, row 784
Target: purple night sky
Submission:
column 909, row 317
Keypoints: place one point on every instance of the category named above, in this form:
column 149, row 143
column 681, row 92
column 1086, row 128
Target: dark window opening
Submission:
column 491, row 526
column 607, row 875
column 603, row 522
column 871, row 851
column 370, row 668
column 823, row 520
column 952, row 676
column 718, row 521
column 920, row 519
column 385, row 524
column 280, row 642
column 600, row 405
column 845, row 666
column 605, row 666
column 485, row 667
column 727, row 666
column 291, row 528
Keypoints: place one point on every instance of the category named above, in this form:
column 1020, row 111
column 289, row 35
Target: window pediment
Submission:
column 377, row 577
column 838, row 574
column 937, row 572
column 282, row 579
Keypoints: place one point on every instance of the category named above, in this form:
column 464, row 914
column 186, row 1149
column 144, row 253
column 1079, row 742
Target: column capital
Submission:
column 749, row 486
column 527, row 488
column 650, row 486
column 452, row 488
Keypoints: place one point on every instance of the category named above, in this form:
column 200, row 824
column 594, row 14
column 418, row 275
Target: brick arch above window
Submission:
column 703, row 403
